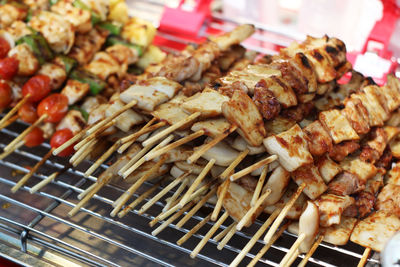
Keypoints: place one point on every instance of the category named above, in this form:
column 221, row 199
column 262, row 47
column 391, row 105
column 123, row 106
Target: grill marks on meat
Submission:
column 299, row 112
column 292, row 75
column 340, row 151
column 265, row 101
column 345, row 183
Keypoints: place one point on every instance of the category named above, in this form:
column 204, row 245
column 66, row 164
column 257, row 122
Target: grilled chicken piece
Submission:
column 196, row 168
column 297, row 208
column 123, row 54
column 376, row 113
column 319, row 141
column 345, row 183
column 178, row 154
column 277, row 182
column 73, row 121
column 326, row 88
column 127, row 119
column 357, row 115
column 393, row 176
column 354, row 85
column 342, row 150
column 375, row 230
column 17, row 30
column 28, row 63
column 86, row 45
column 104, row 65
column 171, row 113
column 331, row 208
column 373, row 92
column 204, row 55
column 236, row 36
column 75, row 91
column 241, row 111
column 329, row 101
column 78, row 17
column 278, row 125
column 308, row 225
column 391, row 92
column 356, row 166
column 227, row 58
column 299, row 112
column 222, row 153
column 310, row 175
column 380, row 137
column 178, row 68
column 291, row 148
column 266, row 102
column 56, row 74
column 92, row 102
column 240, row 144
column 337, row 126
column 10, row 13
column 57, row 30
column 281, row 90
column 212, row 127
column 389, row 199
column 208, row 102
column 48, row 129
column 327, row 168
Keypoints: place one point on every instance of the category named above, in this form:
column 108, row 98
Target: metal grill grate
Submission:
column 38, row 224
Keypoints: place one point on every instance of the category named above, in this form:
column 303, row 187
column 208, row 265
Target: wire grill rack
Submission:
column 35, row 229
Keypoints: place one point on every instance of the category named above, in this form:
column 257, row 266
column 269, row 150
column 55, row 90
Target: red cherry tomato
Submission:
column 34, row 138
column 4, row 47
column 27, row 112
column 8, row 68
column 38, row 87
column 55, row 106
column 5, row 95
column 59, row 138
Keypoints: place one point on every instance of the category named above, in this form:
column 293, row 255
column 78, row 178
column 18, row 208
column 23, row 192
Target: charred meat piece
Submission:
column 342, row 150
column 345, row 183
column 266, row 102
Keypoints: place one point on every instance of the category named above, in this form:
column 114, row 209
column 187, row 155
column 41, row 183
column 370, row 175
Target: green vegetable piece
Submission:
column 69, row 63
column 113, row 40
column 112, row 27
column 96, row 85
column 39, row 46
column 29, row 15
column 84, row 113
column 94, row 16
column 53, row 2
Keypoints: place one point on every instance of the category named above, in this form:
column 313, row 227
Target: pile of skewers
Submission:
column 214, row 123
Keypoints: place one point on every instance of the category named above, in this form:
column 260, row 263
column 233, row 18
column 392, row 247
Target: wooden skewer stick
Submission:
column 253, row 167
column 311, row 251
column 12, row 145
column 142, row 197
column 227, row 237
column 27, row 176
column 43, row 183
column 14, row 110
column 196, row 208
column 221, row 197
column 259, row 186
column 133, row 160
column 99, row 185
column 228, row 171
column 224, row 232
column 103, row 158
column 209, row 234
column 293, row 249
column 139, row 162
column 254, row 239
column 266, row 247
column 9, row 121
column 7, row 153
column 283, row 213
column 173, row 145
column 81, row 154
column 163, row 192
column 203, row 149
column 252, row 210
column 93, row 135
column 171, row 219
column 175, row 195
column 194, row 230
column 135, row 186
column 196, row 182
column 69, row 142
column 97, row 126
column 364, row 257
column 171, row 128
column 292, row 258
column 86, row 191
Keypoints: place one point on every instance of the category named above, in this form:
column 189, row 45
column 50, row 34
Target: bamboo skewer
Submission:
column 7, row 153
column 227, row 237
column 252, row 210
column 86, row 191
column 103, row 158
column 94, row 135
column 175, row 195
column 203, row 149
column 283, row 213
column 12, row 145
column 27, row 176
column 171, row 219
column 14, row 110
column 171, row 128
column 228, row 171
column 133, row 160
column 9, row 121
column 43, row 183
column 196, row 183
column 254, row 239
column 253, row 167
column 293, row 249
column 142, row 197
column 259, row 186
column 71, row 141
column 173, row 145
column 194, row 230
column 83, row 153
column 266, row 247
column 224, row 232
column 364, row 257
column 218, row 205
column 134, row 187
column 311, row 251
column 292, row 258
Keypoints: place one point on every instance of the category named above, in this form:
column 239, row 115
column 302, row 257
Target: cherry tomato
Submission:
column 27, row 112
column 59, row 138
column 38, row 87
column 5, row 95
column 8, row 68
column 4, row 47
column 55, row 106
column 34, row 138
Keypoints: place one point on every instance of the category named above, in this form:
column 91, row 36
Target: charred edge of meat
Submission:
column 266, row 101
